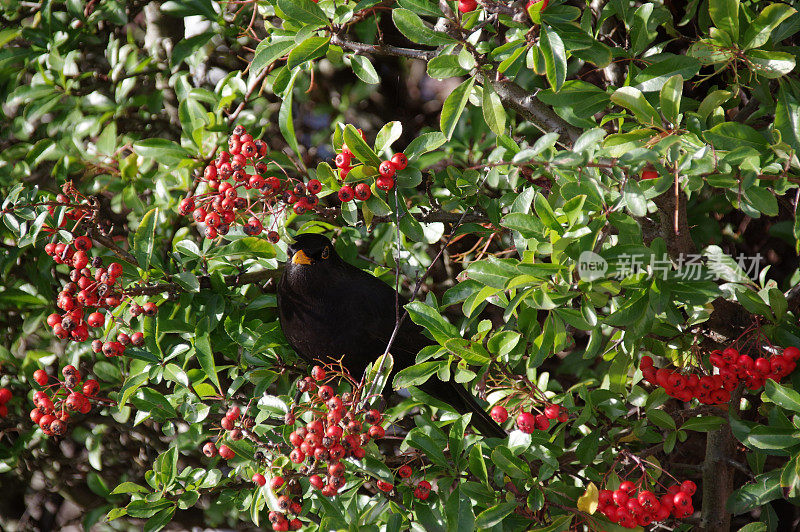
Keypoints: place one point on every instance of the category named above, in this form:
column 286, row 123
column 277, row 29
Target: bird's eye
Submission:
column 326, row 252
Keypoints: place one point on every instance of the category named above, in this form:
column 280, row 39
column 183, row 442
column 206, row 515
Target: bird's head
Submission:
column 310, row 250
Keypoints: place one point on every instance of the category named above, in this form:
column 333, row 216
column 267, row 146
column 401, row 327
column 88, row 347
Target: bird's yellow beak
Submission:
column 300, row 258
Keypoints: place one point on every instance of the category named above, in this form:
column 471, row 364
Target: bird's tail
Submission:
column 462, row 400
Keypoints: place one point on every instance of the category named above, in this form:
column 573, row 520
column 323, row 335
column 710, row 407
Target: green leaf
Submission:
column 503, row 458
column 433, row 322
column 454, row 105
column 129, row 487
column 703, row 423
column 446, row 66
column 304, row 11
column 670, row 97
column 634, row 198
column 308, row 50
column 633, row 100
column 760, row 29
column 388, row 134
column 267, row 53
column 144, row 240
column 494, row 515
column 357, row 145
column 725, row 14
column 187, row 47
column 555, row 56
column 731, row 135
column 423, row 144
column 661, row 419
column 782, row 396
column 159, row 520
column 362, row 67
column 493, row 111
column 773, row 438
column 787, row 118
column 164, row 151
column 477, row 465
column 149, row 400
column 285, row 120
column 420, row 440
column 583, row 99
column 762, row 489
column 771, row 64
column 415, row 29
column 711, row 102
column 205, row 356
column 654, row 77
column 417, row 374
column 132, row 383
column 188, row 281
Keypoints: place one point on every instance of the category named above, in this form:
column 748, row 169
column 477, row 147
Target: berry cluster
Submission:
column 54, row 400
column 338, row 430
column 91, row 285
column 5, row 397
column 629, row 508
column 422, row 489
column 362, row 191
column 235, row 427
column 240, row 190
column 732, row 368
column 466, row 6
column 528, row 422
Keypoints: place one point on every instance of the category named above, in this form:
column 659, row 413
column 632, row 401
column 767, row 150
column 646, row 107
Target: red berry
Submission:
column 688, row 487
column 620, row 497
column 343, row 160
column 542, row 423
column 325, row 392
column 259, row 479
column 346, row 194
column 682, row 499
column 40, row 376
column 276, row 483
column 226, row 452
column 552, row 411
column 400, row 161
column 186, row 206
column 385, row 486
column 526, row 422
column 150, row 309
column 628, row 487
column 137, row 338
column 318, row 373
column 384, row 183
column 5, row 395
column 649, row 174
column 387, row 168
column 792, row 353
column 376, row 432
column 314, row 186
column 297, row 456
column 82, row 243
column 316, row 481
column 465, row 6
column 362, row 191
column 499, row 413
column 95, row 319
column 404, row 471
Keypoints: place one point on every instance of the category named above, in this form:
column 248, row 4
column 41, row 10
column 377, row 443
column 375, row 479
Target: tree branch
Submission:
column 257, row 276
column 541, row 115
column 383, row 49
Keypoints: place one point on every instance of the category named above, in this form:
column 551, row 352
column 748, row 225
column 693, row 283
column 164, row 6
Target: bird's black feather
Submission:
column 330, row 309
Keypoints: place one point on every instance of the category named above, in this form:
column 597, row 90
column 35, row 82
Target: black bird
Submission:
column 330, row 309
